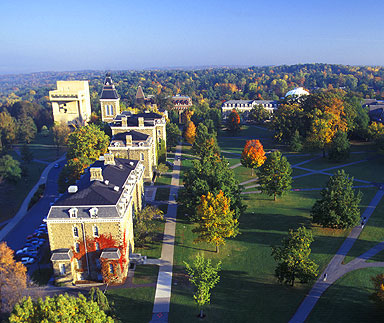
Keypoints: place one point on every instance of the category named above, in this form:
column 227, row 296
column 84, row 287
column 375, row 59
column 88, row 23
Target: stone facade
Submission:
column 71, row 102
column 91, row 230
column 181, row 103
column 109, row 101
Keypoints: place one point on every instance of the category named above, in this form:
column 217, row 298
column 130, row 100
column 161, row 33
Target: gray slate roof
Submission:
column 132, row 119
column 61, row 254
column 136, row 136
column 111, row 253
column 109, row 92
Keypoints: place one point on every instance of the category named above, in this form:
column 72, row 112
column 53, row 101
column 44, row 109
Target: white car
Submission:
column 21, row 251
column 27, row 260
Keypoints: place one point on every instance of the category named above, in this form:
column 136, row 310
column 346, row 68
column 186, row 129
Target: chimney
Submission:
column 128, row 140
column 124, row 121
column 109, row 159
column 140, row 122
column 96, row 174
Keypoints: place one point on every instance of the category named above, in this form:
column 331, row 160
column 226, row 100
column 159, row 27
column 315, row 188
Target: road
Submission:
column 34, row 217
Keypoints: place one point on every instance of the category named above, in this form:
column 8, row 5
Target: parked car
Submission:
column 27, row 260
column 21, row 251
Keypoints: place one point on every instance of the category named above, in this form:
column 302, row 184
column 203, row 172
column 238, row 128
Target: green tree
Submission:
column 26, row 154
column 26, row 128
column 60, row 308
column 161, row 152
column 88, row 142
column 96, row 295
column 233, row 122
column 202, row 135
column 173, row 134
column 210, row 174
column 60, row 133
column 216, row 221
column 204, row 276
column 9, row 169
column 258, row 114
column 275, row 175
column 296, row 143
column 340, row 147
column 293, row 257
column 144, row 224
column 8, row 129
column 339, row 204
column 161, row 169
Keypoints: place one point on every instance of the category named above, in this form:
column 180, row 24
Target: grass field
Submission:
column 248, row 291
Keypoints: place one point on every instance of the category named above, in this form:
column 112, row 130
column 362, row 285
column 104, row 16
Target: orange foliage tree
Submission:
column 216, row 220
column 190, row 132
column 253, row 154
column 233, row 122
column 13, row 278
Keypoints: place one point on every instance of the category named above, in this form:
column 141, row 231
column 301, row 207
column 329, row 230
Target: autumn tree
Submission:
column 233, row 122
column 340, row 148
column 60, row 308
column 258, row 114
column 144, row 224
column 13, row 278
column 60, row 133
column 88, row 142
column 293, row 257
column 173, row 134
column 26, row 128
column 209, row 148
column 190, row 132
column 378, row 285
column 339, row 204
column 253, row 155
column 287, row 119
column 275, row 175
column 8, row 129
column 216, row 221
column 296, row 143
column 376, row 132
column 210, row 174
column 204, row 276
column 9, row 169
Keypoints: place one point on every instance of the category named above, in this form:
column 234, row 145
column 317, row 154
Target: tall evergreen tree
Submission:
column 339, row 204
column 275, row 175
column 340, row 147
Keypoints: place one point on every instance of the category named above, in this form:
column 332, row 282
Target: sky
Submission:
column 69, row 35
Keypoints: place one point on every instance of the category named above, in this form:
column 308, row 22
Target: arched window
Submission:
column 76, row 232
column 95, row 231
column 77, row 247
column 97, row 246
column 141, row 156
column 111, row 271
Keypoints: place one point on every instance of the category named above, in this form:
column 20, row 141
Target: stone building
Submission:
column 243, row 107
column 90, row 227
column 142, row 101
column 109, row 100
column 181, row 103
column 137, row 146
column 149, row 123
column 71, row 102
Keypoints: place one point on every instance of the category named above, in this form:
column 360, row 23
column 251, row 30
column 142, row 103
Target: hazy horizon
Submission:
column 49, row 36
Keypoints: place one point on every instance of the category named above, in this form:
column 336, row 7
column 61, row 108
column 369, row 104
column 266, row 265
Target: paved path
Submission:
column 164, row 279
column 24, row 207
column 336, row 270
column 235, row 166
column 249, row 181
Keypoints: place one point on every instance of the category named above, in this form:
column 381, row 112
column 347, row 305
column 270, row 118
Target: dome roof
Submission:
column 299, row 91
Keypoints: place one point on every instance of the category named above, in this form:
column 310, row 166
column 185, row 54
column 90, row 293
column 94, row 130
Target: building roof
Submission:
column 299, row 91
column 133, row 119
column 109, row 92
column 61, row 254
column 99, row 193
column 136, row 136
column 111, row 253
column 239, row 102
column 140, row 93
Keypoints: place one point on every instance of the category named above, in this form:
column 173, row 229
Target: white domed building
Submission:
column 297, row 92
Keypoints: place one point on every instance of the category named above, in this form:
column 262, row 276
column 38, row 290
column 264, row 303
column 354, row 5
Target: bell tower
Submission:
column 109, row 100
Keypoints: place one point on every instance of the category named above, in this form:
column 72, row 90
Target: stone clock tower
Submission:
column 109, row 100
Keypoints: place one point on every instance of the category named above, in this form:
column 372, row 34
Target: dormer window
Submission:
column 93, row 212
column 73, row 212
column 76, row 232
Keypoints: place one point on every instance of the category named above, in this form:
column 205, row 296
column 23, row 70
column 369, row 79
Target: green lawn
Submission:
column 348, row 300
column 153, row 249
column 369, row 171
column 18, row 192
column 133, row 305
column 164, row 179
column 145, row 274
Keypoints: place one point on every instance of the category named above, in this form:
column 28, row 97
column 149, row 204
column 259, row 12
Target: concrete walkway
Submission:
column 336, row 270
column 24, row 207
column 235, row 166
column 164, row 279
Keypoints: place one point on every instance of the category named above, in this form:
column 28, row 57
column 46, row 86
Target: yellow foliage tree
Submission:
column 190, row 132
column 216, row 220
column 253, row 154
column 13, row 278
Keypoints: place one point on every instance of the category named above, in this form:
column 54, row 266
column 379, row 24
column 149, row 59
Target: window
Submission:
column 109, row 110
column 78, row 262
column 111, row 271
column 77, row 247
column 73, row 212
column 97, row 246
column 62, row 269
column 95, row 231
column 76, row 232
column 141, row 156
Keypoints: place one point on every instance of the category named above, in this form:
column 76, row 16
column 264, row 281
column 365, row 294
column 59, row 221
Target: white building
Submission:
column 245, row 106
